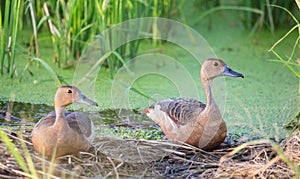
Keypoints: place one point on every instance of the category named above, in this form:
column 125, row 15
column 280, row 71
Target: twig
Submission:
column 203, row 164
column 17, row 138
column 115, row 168
column 269, row 164
column 9, row 176
column 22, row 173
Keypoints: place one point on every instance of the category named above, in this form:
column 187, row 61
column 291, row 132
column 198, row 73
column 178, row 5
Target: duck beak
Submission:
column 83, row 99
column 229, row 72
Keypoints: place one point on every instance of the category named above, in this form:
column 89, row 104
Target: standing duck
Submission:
column 191, row 121
column 63, row 133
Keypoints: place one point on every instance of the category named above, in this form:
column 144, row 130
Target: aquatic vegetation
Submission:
column 291, row 61
column 142, row 133
column 294, row 123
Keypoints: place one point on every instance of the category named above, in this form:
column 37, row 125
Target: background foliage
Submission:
column 73, row 24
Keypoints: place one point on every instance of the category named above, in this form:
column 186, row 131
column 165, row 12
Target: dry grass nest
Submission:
column 119, row 158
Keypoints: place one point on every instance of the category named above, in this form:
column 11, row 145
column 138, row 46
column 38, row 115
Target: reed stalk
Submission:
column 35, row 32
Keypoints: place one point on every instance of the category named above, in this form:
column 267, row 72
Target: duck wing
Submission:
column 181, row 110
column 78, row 121
column 46, row 121
column 49, row 119
column 81, row 123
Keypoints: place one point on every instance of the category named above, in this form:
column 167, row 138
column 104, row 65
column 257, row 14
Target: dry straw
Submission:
column 119, row 158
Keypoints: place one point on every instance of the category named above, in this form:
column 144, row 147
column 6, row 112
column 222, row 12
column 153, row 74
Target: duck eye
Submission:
column 69, row 91
column 216, row 64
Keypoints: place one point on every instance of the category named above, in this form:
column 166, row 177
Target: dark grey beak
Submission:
column 229, row 72
column 83, row 99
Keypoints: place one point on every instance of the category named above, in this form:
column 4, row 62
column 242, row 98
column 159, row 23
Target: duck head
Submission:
column 213, row 68
column 66, row 95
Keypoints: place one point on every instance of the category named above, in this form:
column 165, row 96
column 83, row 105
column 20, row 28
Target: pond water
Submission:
column 109, row 123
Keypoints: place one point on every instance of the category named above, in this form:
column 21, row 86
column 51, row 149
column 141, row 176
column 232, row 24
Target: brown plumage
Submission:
column 191, row 121
column 63, row 133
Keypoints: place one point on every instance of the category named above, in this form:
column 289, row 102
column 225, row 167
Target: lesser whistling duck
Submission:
column 64, row 133
column 7, row 116
column 191, row 121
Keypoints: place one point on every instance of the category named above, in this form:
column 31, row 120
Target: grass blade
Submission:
column 49, row 69
column 141, row 93
column 95, row 66
column 29, row 161
column 14, row 151
column 286, row 63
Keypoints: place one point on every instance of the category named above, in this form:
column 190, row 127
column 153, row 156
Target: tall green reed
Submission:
column 12, row 18
column 10, row 25
column 136, row 9
column 253, row 14
column 75, row 24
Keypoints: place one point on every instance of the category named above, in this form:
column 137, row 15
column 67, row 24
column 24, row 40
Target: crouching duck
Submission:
column 64, row 133
column 191, row 121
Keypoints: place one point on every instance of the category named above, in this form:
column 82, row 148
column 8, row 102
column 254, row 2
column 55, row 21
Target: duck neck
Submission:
column 60, row 114
column 210, row 102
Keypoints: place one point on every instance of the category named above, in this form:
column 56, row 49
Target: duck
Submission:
column 191, row 121
column 7, row 116
column 63, row 133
